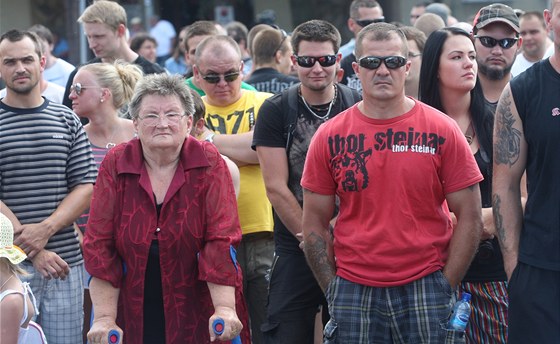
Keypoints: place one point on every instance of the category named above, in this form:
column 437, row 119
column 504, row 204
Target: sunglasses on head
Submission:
column 366, row 22
column 284, row 37
column 489, row 42
column 78, row 88
column 215, row 78
column 309, row 61
column 373, row 62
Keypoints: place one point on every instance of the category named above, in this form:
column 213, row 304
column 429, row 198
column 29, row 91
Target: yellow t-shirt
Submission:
column 255, row 211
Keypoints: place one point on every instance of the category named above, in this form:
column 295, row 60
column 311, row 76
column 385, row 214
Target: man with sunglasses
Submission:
column 390, row 266
column 287, row 121
column 196, row 33
column 362, row 13
column 496, row 41
column 527, row 140
column 231, row 113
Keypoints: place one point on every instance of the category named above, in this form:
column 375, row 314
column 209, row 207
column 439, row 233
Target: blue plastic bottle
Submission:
column 461, row 312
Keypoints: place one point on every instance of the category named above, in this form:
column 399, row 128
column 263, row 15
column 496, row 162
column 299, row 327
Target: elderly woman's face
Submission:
column 162, row 122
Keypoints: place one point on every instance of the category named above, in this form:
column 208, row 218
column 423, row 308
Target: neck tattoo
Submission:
column 326, row 116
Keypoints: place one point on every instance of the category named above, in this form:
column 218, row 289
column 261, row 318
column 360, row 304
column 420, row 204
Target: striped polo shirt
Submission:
column 44, row 153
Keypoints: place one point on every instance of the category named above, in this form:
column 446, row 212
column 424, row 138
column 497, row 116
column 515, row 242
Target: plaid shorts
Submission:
column 60, row 304
column 413, row 313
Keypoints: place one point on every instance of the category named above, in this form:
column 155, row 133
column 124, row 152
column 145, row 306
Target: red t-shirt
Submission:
column 391, row 177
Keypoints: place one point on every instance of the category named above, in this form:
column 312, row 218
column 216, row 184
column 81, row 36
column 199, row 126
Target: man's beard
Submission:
column 494, row 73
column 23, row 90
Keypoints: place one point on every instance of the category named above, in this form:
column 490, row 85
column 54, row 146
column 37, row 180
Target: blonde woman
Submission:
column 17, row 303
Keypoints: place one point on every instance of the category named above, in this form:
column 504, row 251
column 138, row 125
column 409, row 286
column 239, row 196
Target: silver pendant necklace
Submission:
column 324, row 117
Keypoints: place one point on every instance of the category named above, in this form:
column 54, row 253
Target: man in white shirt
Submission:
column 164, row 33
column 57, row 70
column 534, row 41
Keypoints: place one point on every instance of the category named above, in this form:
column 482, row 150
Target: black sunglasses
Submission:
column 366, row 22
column 373, row 62
column 309, row 61
column 215, row 78
column 490, row 42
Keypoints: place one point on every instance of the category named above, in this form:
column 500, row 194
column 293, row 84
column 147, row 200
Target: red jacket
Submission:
column 197, row 226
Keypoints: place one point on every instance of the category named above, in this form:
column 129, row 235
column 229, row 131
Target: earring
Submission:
column 101, row 100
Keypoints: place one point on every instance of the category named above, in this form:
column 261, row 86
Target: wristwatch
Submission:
column 210, row 138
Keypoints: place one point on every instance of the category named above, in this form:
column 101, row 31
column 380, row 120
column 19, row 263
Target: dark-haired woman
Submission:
column 448, row 82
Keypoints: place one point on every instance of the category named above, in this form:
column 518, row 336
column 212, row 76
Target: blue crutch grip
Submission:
column 114, row 337
column 218, row 326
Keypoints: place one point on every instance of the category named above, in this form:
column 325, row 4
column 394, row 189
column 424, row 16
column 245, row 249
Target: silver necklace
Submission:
column 326, row 116
column 111, row 144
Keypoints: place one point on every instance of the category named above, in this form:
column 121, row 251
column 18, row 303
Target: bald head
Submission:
column 217, row 46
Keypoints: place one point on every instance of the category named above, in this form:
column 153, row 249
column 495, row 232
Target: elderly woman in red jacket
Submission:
column 162, row 227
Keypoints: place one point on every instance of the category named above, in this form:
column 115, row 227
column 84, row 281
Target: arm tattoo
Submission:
column 508, row 138
column 498, row 218
column 317, row 257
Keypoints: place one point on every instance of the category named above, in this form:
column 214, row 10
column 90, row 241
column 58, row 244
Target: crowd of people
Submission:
column 228, row 184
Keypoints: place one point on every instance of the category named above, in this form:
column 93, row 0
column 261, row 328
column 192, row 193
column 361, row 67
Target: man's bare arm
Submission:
column 34, row 236
column 466, row 235
column 237, row 147
column 510, row 156
column 317, row 213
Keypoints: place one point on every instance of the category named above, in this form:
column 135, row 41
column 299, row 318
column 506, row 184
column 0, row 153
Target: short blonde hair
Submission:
column 104, row 12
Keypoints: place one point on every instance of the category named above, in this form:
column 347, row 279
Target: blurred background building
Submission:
column 61, row 15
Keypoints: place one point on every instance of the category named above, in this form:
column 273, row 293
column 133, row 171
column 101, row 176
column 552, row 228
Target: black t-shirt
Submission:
column 270, row 80
column 536, row 93
column 146, row 66
column 269, row 132
column 350, row 78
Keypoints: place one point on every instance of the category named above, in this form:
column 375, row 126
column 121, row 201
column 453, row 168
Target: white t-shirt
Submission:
column 163, row 32
column 520, row 65
column 59, row 72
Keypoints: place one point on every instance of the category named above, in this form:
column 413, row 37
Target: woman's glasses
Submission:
column 504, row 43
column 215, row 78
column 78, row 87
column 152, row 119
column 373, row 62
column 309, row 61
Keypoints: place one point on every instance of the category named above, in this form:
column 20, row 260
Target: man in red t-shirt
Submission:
column 395, row 164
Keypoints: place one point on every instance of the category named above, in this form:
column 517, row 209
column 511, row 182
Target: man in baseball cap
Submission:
column 496, row 13
column 496, row 33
